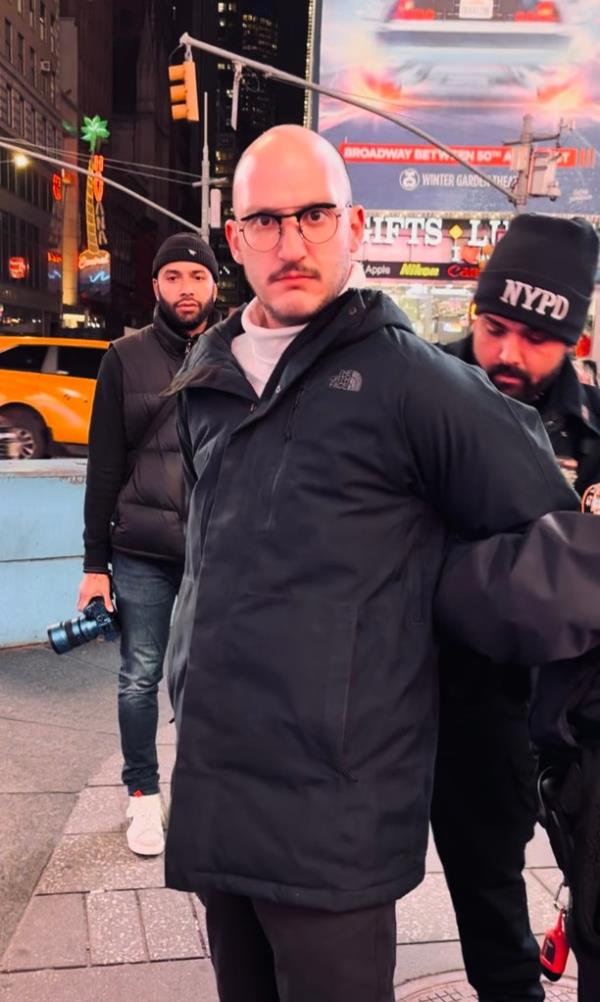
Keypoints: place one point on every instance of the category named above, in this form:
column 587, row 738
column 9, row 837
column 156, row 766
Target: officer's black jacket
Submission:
column 324, row 516
column 566, row 697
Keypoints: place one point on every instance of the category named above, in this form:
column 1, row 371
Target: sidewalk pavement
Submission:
column 84, row 920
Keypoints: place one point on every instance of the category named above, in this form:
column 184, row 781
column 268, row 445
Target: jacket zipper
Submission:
column 287, row 438
column 292, row 418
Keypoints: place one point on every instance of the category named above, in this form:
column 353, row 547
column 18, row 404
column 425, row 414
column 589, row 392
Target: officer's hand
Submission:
column 93, row 585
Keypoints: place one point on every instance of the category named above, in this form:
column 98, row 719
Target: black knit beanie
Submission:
column 185, row 247
column 541, row 273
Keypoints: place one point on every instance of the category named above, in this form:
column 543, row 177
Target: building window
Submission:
column 40, row 129
column 21, row 53
column 43, row 21
column 17, row 114
column 9, row 104
column 52, row 88
column 28, row 116
column 8, row 46
column 20, row 6
column 31, row 13
column 52, row 33
column 3, row 103
column 32, row 66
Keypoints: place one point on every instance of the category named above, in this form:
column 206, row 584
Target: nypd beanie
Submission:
column 541, row 273
column 185, row 247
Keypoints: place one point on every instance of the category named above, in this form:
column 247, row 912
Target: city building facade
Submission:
column 29, row 117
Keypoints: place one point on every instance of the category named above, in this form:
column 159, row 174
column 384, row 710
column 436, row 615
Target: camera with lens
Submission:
column 94, row 622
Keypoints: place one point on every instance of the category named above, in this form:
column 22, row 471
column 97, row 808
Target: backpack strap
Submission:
column 164, row 411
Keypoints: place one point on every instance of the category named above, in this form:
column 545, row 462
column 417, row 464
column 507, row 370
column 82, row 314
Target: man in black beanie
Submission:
column 531, row 304
column 134, row 507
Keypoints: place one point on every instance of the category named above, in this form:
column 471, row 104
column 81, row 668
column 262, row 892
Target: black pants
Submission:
column 588, row 977
column 483, row 815
column 265, row 952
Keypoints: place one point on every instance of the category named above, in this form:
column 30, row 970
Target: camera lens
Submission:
column 72, row 633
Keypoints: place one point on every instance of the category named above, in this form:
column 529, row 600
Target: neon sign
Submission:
column 18, row 267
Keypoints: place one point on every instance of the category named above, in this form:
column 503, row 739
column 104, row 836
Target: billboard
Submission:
column 466, row 72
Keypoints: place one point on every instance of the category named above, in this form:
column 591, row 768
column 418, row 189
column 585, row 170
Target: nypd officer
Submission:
column 531, row 305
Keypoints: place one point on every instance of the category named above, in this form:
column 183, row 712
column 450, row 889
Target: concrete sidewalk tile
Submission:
column 116, row 935
column 166, row 761
column 52, row 933
column 166, row 735
column 538, row 851
column 432, row 860
column 550, row 878
column 183, row 980
column 417, row 960
column 98, row 809
column 109, row 773
column 165, row 789
column 426, row 914
column 170, row 925
column 30, row 827
column 200, row 911
column 542, row 913
column 99, row 862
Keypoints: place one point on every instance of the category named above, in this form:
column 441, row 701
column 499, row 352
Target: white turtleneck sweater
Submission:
column 259, row 349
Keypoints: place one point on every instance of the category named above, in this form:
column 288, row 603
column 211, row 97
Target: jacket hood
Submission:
column 350, row 318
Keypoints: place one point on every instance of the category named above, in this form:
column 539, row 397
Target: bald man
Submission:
column 330, row 456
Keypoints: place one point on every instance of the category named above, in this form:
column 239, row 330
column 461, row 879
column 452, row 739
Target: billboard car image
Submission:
column 466, row 71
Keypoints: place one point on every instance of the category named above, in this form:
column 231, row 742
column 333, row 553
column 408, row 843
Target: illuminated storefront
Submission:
column 430, row 265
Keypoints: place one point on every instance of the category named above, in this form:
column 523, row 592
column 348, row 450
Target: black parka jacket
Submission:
column 302, row 659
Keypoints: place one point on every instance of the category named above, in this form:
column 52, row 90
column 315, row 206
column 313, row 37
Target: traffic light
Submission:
column 184, row 95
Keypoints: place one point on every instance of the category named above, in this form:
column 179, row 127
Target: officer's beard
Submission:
column 187, row 323
column 524, row 388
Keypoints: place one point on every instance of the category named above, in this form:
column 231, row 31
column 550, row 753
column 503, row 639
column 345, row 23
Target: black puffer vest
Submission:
column 148, row 519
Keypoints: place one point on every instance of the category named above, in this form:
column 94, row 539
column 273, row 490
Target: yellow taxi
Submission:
column 47, row 390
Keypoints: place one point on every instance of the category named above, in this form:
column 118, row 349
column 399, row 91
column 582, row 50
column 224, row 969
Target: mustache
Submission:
column 509, row 370
column 293, row 269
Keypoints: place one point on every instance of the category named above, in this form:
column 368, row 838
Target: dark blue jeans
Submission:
column 145, row 591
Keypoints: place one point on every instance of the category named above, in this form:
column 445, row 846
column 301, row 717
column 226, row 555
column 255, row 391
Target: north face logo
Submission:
column 192, row 252
column 531, row 297
column 346, row 379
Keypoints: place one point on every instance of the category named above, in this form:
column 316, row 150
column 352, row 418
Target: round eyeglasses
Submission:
column 317, row 224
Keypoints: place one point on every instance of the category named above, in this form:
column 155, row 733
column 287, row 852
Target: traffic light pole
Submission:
column 205, row 178
column 525, row 159
column 522, row 185
column 272, row 72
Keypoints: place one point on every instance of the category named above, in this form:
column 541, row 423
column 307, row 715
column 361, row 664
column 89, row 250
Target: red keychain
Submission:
column 555, row 949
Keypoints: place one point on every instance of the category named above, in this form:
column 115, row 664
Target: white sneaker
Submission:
column 145, row 835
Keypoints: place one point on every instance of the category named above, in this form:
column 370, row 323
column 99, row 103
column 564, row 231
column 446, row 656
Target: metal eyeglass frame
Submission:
column 279, row 217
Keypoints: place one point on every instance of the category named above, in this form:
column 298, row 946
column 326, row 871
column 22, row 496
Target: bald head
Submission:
column 292, row 187
column 285, row 150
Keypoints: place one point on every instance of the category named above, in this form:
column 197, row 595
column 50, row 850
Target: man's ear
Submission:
column 357, row 227
column 155, row 287
column 233, row 239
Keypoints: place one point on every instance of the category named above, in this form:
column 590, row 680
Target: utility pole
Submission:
column 536, row 169
column 205, row 178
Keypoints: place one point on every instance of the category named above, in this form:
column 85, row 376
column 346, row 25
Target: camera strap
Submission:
column 163, row 412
